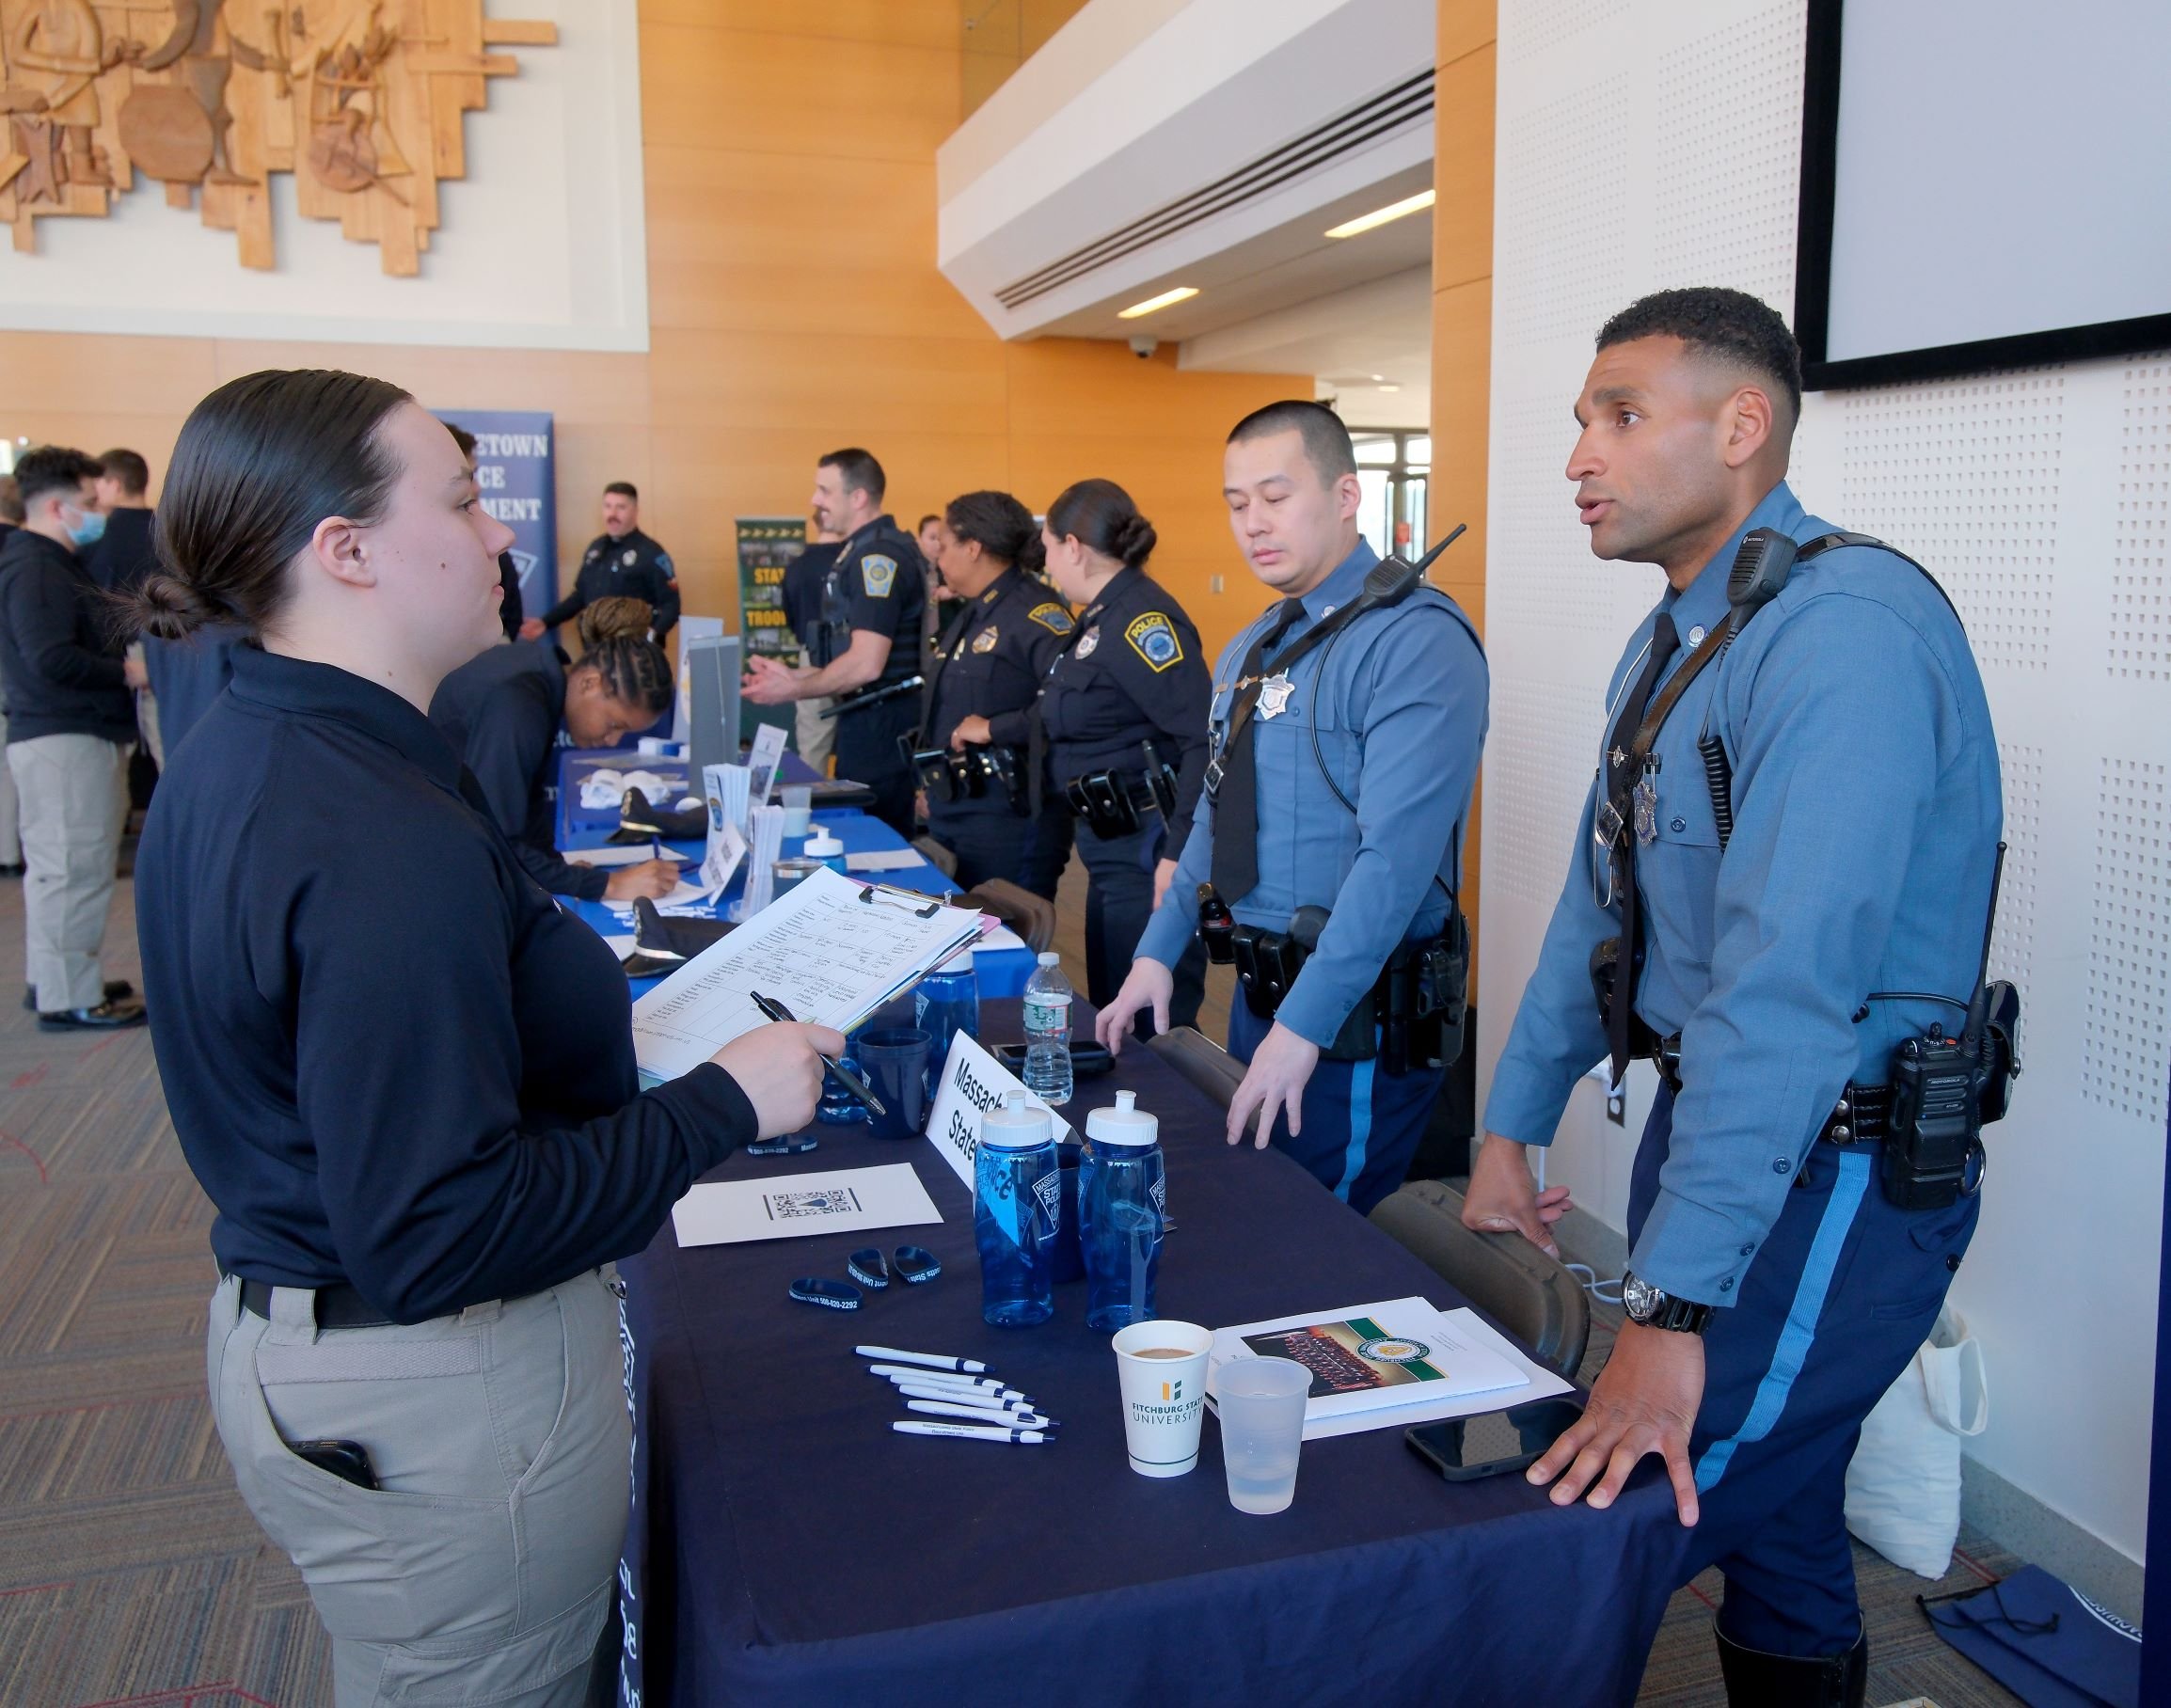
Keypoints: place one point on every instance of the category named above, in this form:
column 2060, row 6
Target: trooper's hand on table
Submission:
column 1645, row 1401
column 779, row 1067
column 1148, row 986
column 1502, row 1198
column 654, row 879
column 1274, row 1084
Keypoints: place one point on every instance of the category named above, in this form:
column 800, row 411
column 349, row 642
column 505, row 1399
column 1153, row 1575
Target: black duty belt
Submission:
column 1863, row 1112
column 338, row 1306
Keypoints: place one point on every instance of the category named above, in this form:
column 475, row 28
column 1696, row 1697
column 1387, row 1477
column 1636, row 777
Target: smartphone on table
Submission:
column 1462, row 1449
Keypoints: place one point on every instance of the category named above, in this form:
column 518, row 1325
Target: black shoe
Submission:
column 14, row 870
column 1757, row 1679
column 117, row 990
column 106, row 1017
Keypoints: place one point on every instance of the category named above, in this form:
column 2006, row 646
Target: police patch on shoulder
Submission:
column 880, row 574
column 1053, row 618
column 1152, row 637
column 984, row 640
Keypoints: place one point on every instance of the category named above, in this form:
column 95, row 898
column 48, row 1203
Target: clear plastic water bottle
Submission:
column 1016, row 1201
column 947, row 1003
column 1122, row 1191
column 1047, row 1074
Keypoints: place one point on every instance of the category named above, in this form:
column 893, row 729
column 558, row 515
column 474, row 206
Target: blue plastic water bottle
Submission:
column 1122, row 1198
column 1017, row 1199
column 946, row 1004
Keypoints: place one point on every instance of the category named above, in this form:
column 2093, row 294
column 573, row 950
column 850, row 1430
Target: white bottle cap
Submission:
column 1050, row 958
column 959, row 962
column 1125, row 1124
column 822, row 844
column 1015, row 1127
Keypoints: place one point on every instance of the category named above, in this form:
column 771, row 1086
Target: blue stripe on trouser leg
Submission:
column 1799, row 1332
column 1361, row 1128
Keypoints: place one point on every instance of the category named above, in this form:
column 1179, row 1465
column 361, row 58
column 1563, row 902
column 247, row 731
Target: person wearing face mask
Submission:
column 1134, row 674
column 1346, row 724
column 975, row 758
column 404, row 1076
column 507, row 712
column 71, row 726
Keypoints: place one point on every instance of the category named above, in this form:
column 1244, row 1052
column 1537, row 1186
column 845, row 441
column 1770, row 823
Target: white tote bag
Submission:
column 1903, row 1488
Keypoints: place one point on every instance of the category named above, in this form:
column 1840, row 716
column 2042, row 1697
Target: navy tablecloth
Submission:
column 786, row 1547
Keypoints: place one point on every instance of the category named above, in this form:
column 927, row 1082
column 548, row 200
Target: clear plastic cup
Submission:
column 1261, row 1406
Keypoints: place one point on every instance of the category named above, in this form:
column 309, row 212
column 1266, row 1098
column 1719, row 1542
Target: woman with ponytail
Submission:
column 1135, row 677
column 403, row 1076
column 975, row 755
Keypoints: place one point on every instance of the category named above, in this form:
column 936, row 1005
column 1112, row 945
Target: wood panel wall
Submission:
column 1463, row 318
column 795, row 307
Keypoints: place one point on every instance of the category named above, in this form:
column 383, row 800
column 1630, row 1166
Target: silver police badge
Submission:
column 1274, row 694
column 629, row 557
column 1647, row 799
column 1088, row 641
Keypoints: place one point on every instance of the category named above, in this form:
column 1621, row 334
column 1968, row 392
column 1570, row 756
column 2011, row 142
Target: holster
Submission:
column 1111, row 802
column 1643, row 1043
column 1414, row 1015
column 972, row 774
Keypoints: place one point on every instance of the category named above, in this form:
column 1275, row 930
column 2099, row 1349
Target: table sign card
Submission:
column 843, row 1200
column 762, row 763
column 726, row 848
column 726, row 789
column 974, row 1083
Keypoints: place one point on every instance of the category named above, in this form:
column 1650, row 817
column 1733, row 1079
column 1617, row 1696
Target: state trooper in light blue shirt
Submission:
column 1364, row 750
column 1863, row 813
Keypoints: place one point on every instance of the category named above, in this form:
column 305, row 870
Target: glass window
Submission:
column 1376, row 511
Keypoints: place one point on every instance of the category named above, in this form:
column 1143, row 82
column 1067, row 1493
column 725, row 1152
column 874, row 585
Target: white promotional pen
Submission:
column 1014, row 1420
column 973, row 1432
column 908, row 1373
column 933, row 1361
column 917, row 1379
column 934, row 1390
column 951, row 1397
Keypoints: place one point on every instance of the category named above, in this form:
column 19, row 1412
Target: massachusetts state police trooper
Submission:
column 620, row 562
column 866, row 645
column 1347, row 724
column 1124, row 709
column 1796, row 818
column 976, row 749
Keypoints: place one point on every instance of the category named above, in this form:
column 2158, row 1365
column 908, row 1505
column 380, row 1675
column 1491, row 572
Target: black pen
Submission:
column 846, row 1077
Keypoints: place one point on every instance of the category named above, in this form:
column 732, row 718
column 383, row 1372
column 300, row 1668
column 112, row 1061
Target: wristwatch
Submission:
column 1653, row 1308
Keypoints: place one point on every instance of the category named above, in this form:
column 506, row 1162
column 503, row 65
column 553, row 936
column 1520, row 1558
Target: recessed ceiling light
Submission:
column 1380, row 216
column 1183, row 293
column 1390, row 388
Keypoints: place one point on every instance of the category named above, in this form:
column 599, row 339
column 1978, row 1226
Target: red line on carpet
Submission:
column 1703, row 1598
column 100, row 1405
column 1960, row 1556
column 185, row 1696
column 33, row 1588
column 11, row 1139
column 23, row 1082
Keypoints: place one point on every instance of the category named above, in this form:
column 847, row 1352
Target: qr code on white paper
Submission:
column 833, row 1201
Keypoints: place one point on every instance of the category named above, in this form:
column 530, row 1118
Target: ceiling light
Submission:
column 1183, row 293
column 1390, row 388
column 1393, row 210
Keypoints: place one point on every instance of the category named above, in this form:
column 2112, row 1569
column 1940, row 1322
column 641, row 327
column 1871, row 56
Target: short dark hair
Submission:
column 1712, row 319
column 129, row 468
column 1327, row 442
column 53, row 468
column 10, row 499
column 1101, row 516
column 1003, row 528
column 260, row 463
column 859, row 471
column 625, row 489
column 463, row 438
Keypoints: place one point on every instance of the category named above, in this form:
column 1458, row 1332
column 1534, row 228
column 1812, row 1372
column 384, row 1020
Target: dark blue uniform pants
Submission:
column 1845, row 1291
column 866, row 751
column 1361, row 1123
column 990, row 841
column 1119, row 902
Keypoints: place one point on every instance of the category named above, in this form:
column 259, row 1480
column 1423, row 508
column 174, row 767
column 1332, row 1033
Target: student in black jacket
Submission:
column 404, row 1078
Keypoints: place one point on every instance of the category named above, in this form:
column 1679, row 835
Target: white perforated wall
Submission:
column 1645, row 143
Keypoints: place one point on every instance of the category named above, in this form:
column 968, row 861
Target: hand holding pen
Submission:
column 780, row 1070
column 845, row 1076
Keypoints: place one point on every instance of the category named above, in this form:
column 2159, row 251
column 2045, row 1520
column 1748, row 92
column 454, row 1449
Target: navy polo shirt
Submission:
column 389, row 1058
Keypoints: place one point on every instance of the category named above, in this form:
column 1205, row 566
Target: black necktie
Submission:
column 1235, row 869
column 1619, row 786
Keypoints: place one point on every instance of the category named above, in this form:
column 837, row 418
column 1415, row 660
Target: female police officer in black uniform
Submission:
column 974, row 757
column 1134, row 674
column 403, row 1076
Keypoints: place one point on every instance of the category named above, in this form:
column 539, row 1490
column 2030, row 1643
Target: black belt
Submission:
column 1862, row 1114
column 338, row 1306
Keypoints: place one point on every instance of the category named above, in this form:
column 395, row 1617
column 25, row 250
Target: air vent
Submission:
column 1381, row 115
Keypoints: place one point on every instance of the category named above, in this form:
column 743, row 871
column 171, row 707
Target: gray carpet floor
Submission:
column 130, row 1573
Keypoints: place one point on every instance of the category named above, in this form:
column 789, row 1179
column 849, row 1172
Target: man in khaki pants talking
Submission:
column 71, row 722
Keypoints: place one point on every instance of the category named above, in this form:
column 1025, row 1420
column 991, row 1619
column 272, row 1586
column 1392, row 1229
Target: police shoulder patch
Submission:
column 1053, row 618
column 1153, row 638
column 879, row 573
column 663, row 563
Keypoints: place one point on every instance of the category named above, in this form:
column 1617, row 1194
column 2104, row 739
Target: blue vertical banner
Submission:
column 517, row 476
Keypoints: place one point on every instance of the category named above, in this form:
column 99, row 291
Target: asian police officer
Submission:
column 868, row 637
column 1347, row 726
column 620, row 561
column 1809, row 823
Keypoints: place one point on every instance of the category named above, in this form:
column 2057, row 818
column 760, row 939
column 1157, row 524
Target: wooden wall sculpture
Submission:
column 361, row 100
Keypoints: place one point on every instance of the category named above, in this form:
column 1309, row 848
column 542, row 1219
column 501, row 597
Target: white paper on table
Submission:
column 684, row 895
column 726, row 848
column 790, row 1206
column 974, row 1082
column 620, row 946
column 1481, row 1370
column 763, row 761
column 628, row 855
column 824, row 952
column 885, row 860
column 1002, row 937
column 767, row 839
